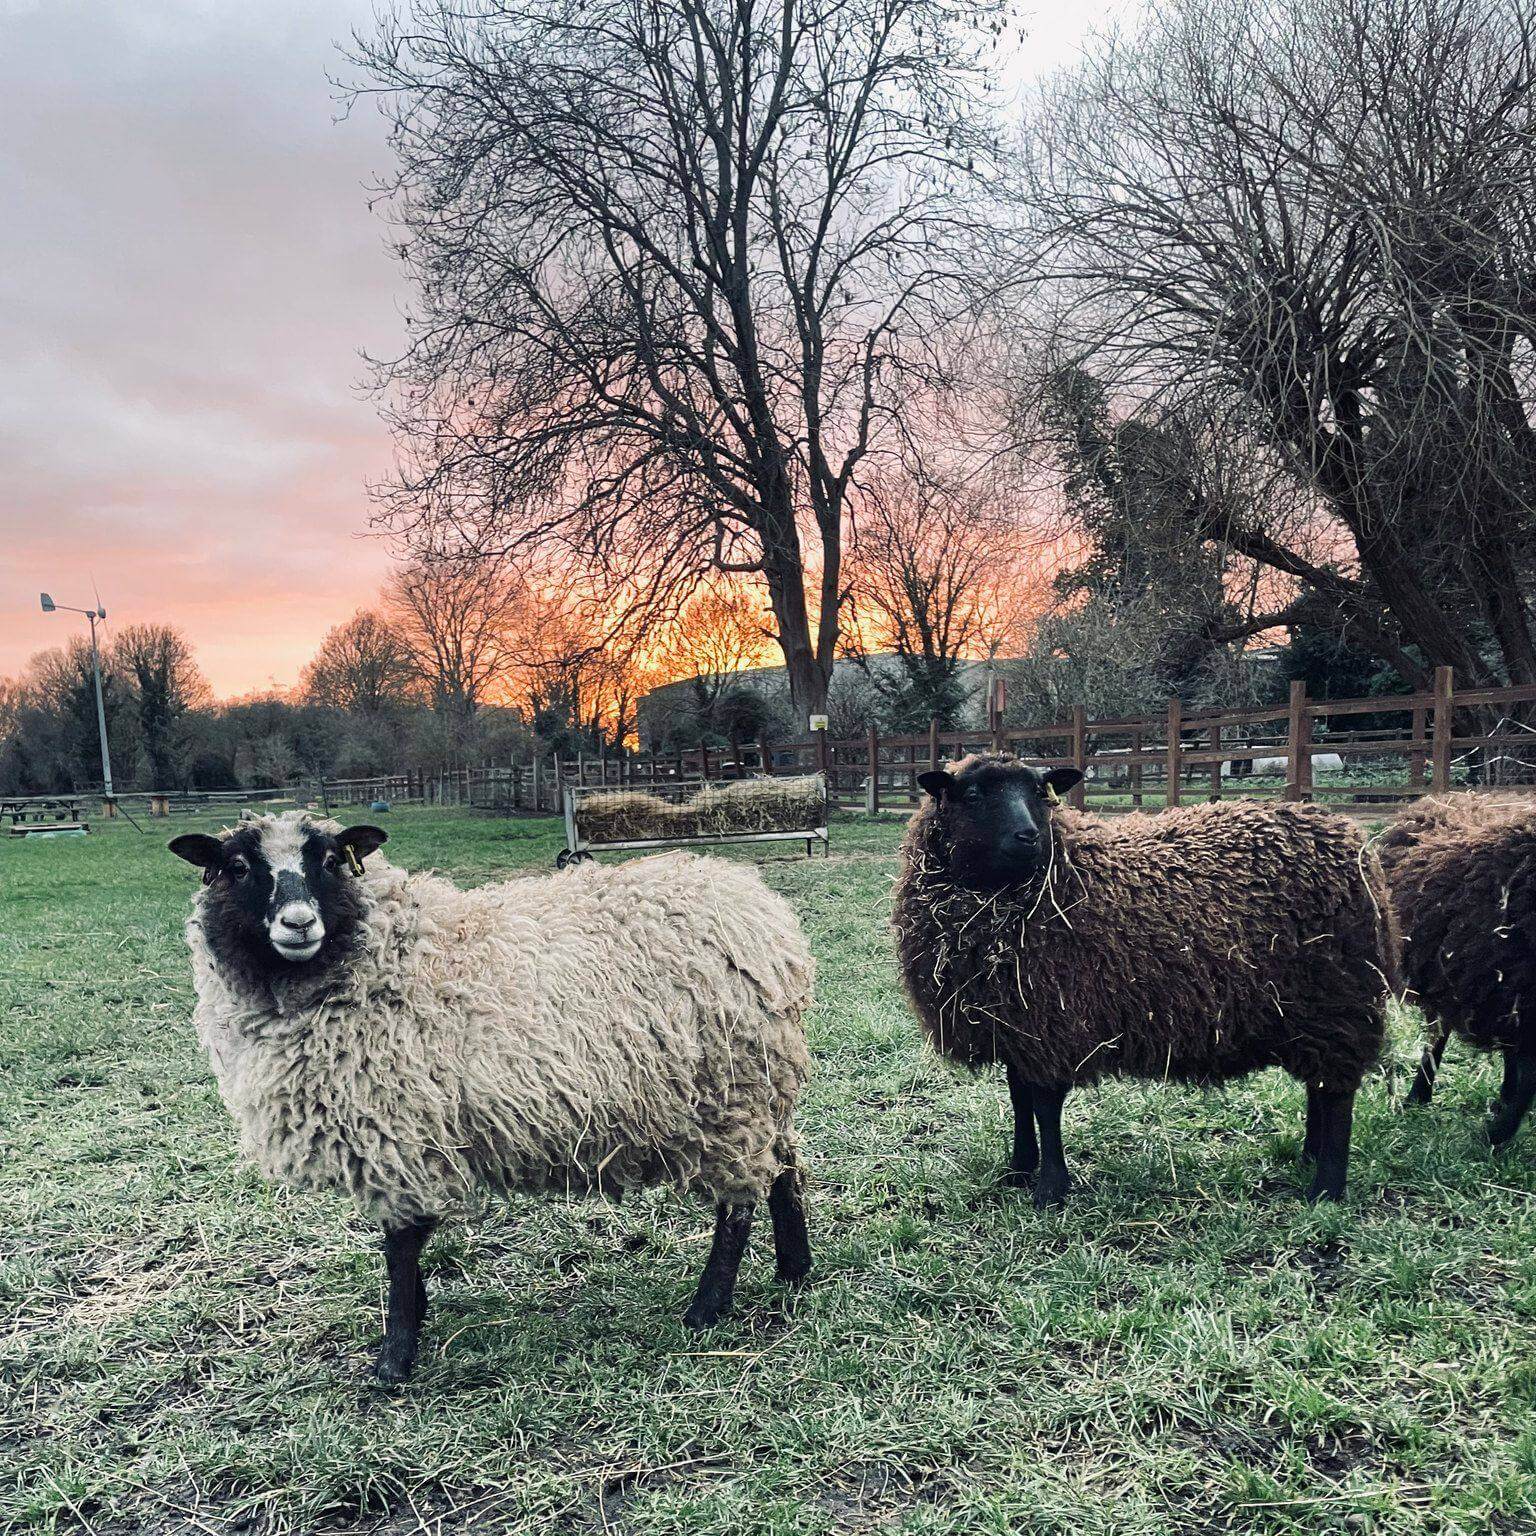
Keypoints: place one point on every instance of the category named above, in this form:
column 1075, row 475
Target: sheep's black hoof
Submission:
column 1051, row 1189
column 1501, row 1128
column 1324, row 1189
column 1420, row 1094
column 703, row 1314
column 1018, row 1178
column 397, row 1359
column 793, row 1273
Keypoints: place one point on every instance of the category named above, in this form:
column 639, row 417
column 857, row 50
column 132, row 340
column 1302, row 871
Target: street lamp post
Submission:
column 98, row 612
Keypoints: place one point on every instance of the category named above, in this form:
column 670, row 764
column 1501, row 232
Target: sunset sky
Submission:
column 188, row 274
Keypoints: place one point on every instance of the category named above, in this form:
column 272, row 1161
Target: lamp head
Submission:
column 48, row 603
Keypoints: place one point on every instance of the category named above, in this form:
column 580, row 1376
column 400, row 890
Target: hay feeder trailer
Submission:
column 694, row 813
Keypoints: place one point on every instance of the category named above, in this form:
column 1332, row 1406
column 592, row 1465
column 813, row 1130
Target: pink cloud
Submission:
column 186, row 280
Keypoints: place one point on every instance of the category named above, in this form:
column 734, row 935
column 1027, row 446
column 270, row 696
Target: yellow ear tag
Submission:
column 1051, row 795
column 352, row 859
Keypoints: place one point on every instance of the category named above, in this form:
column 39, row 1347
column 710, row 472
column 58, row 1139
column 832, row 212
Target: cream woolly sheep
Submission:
column 404, row 1042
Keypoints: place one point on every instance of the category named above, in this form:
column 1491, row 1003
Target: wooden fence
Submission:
column 1389, row 749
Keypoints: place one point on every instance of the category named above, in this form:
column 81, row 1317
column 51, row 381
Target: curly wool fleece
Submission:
column 610, row 1026
column 1198, row 945
column 1463, row 878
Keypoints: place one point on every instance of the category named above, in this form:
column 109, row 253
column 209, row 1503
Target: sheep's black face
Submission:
column 995, row 819
column 282, row 893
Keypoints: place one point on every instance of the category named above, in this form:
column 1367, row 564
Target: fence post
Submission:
column 1440, row 751
column 1416, row 758
column 1175, row 749
column 821, row 762
column 933, row 746
column 872, row 787
column 1298, row 746
column 1216, row 762
column 1079, row 794
column 1136, row 768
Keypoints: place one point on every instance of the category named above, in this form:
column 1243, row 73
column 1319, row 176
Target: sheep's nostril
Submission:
column 1030, row 838
column 298, row 923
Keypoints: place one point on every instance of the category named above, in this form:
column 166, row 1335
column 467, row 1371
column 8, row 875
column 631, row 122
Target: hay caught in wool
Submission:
column 715, row 810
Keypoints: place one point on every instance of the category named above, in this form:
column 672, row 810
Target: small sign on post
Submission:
column 997, row 703
column 818, row 722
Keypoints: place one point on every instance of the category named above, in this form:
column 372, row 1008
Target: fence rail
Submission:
column 1388, row 749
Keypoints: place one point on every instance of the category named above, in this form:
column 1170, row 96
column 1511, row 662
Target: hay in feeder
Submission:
column 715, row 810
column 625, row 815
column 760, row 805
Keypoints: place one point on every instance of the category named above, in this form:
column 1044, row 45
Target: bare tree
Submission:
column 60, row 685
column 459, row 621
column 579, row 685
column 166, row 685
column 363, row 667
column 941, row 574
column 677, row 265
column 1313, row 223
column 720, row 632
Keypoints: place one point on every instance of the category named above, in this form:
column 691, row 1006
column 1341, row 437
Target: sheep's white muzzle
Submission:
column 296, row 931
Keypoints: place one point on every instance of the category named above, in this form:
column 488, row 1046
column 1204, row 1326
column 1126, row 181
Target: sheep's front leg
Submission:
column 407, row 1299
column 1429, row 1069
column 733, row 1225
column 1026, row 1151
column 1053, row 1181
column 1330, row 1118
column 791, row 1241
column 1514, row 1098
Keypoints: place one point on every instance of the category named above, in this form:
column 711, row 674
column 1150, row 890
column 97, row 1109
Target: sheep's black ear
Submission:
column 361, row 840
column 937, row 783
column 196, row 848
column 200, row 849
column 1063, row 779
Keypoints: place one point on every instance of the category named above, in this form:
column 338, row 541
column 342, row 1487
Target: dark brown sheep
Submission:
column 1463, row 879
column 1198, row 945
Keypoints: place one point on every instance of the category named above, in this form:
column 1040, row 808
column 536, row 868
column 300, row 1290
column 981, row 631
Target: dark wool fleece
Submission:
column 1463, row 879
column 1197, row 945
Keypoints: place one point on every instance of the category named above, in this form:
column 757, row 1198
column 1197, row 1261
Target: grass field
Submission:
column 1187, row 1348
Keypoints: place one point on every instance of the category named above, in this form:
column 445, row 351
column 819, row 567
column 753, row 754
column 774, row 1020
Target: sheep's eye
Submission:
column 239, row 868
column 332, row 863
column 973, row 792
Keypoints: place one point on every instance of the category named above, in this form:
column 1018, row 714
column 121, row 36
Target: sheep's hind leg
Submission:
column 1515, row 1097
column 407, row 1299
column 1333, row 1115
column 1053, row 1180
column 791, row 1241
column 733, row 1225
column 1026, row 1150
column 1429, row 1069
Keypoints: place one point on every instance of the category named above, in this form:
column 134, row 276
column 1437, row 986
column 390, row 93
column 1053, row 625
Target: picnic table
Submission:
column 41, row 808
